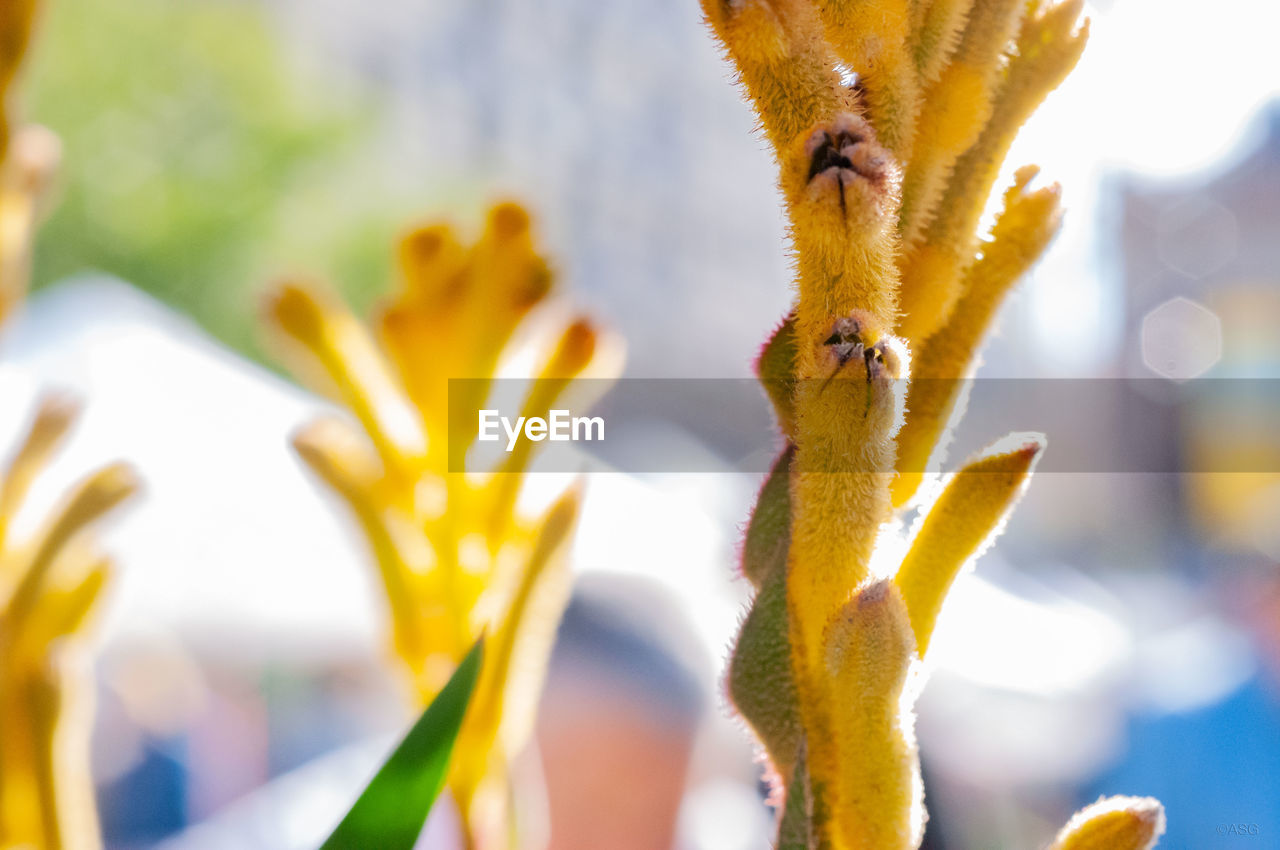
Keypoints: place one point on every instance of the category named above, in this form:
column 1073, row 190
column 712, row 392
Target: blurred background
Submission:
column 1122, row 637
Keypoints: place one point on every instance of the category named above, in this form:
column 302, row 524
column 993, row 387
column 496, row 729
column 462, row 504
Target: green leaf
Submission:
column 760, row 682
column 392, row 809
column 776, row 369
column 764, row 548
column 795, row 829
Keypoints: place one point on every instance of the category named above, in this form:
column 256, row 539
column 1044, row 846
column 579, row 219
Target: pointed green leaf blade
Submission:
column 392, row 809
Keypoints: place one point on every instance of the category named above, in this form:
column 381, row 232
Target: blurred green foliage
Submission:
column 202, row 158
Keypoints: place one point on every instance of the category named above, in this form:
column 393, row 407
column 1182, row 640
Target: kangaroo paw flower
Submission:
column 455, row 556
column 884, row 183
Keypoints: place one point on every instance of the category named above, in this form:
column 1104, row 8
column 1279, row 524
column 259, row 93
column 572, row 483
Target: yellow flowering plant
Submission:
column 890, row 121
column 455, row 556
column 51, row 580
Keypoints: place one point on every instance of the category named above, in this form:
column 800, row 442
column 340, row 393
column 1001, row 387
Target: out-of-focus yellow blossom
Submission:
column 51, row 581
column 455, row 557
column 49, row 586
column 885, row 170
column 28, row 156
column 17, row 20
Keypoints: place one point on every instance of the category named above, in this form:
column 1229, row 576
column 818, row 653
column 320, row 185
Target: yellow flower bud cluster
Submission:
column 51, row 581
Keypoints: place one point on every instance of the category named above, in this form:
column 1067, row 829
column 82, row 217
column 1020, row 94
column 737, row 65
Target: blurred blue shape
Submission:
column 1215, row 768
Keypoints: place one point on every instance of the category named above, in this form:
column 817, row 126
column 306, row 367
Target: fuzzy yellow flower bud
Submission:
column 937, row 90
column 1048, row 46
column 956, row 107
column 849, row 408
column 960, row 524
column 786, row 67
column 841, row 187
column 936, row 34
column 869, row 653
column 1114, row 823
column 945, row 361
column 871, row 37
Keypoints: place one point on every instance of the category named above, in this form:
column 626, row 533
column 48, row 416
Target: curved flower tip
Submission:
column 294, row 308
column 506, row 263
column 431, row 260
column 608, row 357
column 424, row 243
column 509, row 219
column 338, row 355
column 88, row 502
column 338, row 454
column 576, row 348
column 93, row 498
column 54, row 416
column 589, row 354
column 1114, row 823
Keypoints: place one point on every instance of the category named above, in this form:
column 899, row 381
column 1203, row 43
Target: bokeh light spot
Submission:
column 1181, row 339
